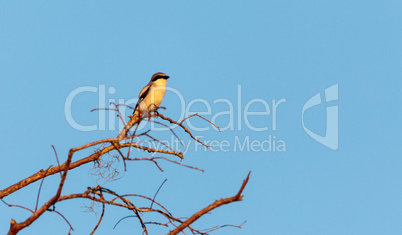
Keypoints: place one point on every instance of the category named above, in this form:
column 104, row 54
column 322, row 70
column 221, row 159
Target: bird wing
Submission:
column 144, row 91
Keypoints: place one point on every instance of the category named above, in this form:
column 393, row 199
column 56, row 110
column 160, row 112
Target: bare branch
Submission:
column 157, row 191
column 95, row 156
column 206, row 231
column 171, row 130
column 155, row 139
column 212, row 206
column 152, row 159
column 107, row 169
column 10, row 205
column 184, row 128
column 152, row 150
column 56, row 169
column 16, row 227
column 125, row 217
column 100, row 219
column 196, row 114
column 62, row 216
column 40, row 187
column 57, row 158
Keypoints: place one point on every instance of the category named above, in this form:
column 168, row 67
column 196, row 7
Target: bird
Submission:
column 149, row 99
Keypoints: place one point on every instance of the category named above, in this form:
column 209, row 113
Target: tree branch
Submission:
column 217, row 203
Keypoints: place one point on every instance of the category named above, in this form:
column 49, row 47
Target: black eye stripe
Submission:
column 159, row 77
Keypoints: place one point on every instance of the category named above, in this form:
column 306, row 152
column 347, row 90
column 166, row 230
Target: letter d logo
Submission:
column 331, row 134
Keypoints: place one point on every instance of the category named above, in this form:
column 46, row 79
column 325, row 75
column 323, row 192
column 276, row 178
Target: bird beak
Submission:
column 166, row 77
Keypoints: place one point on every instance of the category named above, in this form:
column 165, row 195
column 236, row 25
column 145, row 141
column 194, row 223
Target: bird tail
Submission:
column 135, row 119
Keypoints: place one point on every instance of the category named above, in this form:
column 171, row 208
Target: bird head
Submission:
column 157, row 76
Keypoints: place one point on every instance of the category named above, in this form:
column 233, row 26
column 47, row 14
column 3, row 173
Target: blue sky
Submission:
column 270, row 50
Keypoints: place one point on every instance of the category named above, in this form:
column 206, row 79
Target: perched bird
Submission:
column 150, row 98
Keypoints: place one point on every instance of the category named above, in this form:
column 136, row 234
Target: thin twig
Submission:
column 171, row 130
column 152, row 159
column 206, row 231
column 152, row 150
column 57, row 158
column 11, row 205
column 121, row 154
column 100, row 219
column 125, row 217
column 40, row 187
column 155, row 139
column 157, row 191
column 196, row 114
column 184, row 128
column 127, row 202
column 62, row 216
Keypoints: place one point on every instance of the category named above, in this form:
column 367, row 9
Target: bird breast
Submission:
column 155, row 95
